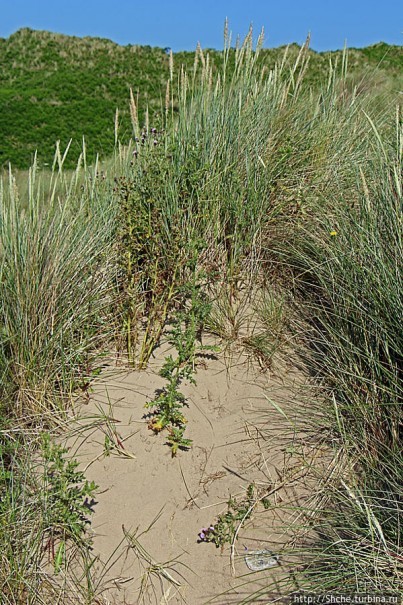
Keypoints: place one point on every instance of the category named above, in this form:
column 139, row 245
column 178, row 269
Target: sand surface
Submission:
column 151, row 507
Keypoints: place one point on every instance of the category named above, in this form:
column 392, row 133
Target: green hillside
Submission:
column 56, row 87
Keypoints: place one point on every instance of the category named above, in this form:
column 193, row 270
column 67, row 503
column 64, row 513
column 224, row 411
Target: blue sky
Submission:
column 181, row 24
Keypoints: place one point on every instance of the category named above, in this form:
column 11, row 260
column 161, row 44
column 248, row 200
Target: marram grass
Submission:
column 55, row 287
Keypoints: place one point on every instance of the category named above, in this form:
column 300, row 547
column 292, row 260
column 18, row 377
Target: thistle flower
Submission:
column 205, row 533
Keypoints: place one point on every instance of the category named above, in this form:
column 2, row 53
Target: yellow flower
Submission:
column 333, row 233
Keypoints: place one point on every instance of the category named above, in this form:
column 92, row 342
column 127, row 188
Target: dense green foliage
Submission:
column 55, row 87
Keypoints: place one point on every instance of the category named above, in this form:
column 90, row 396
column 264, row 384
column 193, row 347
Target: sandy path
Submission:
column 186, row 493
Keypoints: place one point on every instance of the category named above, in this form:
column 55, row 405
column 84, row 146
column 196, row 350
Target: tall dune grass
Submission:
column 57, row 271
column 347, row 261
column 304, row 186
column 56, row 268
column 234, row 151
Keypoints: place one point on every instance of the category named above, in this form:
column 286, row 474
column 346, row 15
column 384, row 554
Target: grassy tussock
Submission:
column 348, row 267
column 55, row 284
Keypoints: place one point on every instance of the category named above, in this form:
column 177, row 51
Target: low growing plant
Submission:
column 45, row 505
column 68, row 495
column 224, row 530
column 167, row 407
